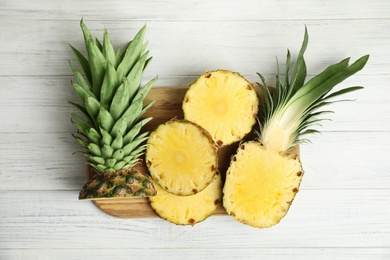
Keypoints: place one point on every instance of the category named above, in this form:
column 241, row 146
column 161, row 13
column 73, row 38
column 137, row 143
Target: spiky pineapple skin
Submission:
column 181, row 157
column 224, row 103
column 188, row 210
column 121, row 184
column 261, row 184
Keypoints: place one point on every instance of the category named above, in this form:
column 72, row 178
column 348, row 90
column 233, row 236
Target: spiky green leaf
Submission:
column 131, row 54
column 83, row 63
column 105, row 120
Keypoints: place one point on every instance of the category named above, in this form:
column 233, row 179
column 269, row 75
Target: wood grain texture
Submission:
column 318, row 218
column 341, row 211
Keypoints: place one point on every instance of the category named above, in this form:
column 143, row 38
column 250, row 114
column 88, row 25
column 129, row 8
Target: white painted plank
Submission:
column 353, row 160
column 40, row 104
column 317, row 219
column 199, row 253
column 192, row 47
column 195, row 10
column 346, row 160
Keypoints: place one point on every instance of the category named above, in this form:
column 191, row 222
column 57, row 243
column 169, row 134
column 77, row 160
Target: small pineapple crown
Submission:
column 111, row 101
column 292, row 109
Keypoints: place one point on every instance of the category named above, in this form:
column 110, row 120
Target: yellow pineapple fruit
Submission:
column 264, row 175
column 224, row 103
column 188, row 210
column 181, row 157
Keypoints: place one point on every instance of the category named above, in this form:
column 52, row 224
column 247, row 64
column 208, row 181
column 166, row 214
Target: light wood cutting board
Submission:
column 167, row 106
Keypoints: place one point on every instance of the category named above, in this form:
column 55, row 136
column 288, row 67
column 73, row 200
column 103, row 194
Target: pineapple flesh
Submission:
column 264, row 175
column 181, row 157
column 109, row 120
column 261, row 184
column 188, row 210
column 224, row 103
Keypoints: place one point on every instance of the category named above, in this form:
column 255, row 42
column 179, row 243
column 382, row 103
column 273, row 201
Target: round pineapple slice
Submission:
column 181, row 157
column 224, row 103
column 260, row 184
column 188, row 210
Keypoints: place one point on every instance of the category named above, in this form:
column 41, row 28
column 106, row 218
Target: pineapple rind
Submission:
column 261, row 185
column 120, row 184
column 224, row 103
column 188, row 210
column 181, row 157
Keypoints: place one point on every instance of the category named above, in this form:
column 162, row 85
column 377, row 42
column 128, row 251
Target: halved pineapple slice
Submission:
column 188, row 210
column 261, row 184
column 264, row 176
column 224, row 103
column 181, row 157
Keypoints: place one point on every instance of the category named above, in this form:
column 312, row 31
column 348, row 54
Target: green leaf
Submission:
column 80, row 78
column 110, row 163
column 96, row 159
column 129, row 158
column 109, row 86
column 118, row 154
column 139, row 151
column 143, row 92
column 133, row 132
column 131, row 54
column 121, row 100
column 83, row 63
column 107, row 151
column 82, row 93
column 135, row 109
column 135, row 75
column 119, row 165
column 81, row 141
column 98, row 66
column 82, row 125
column 117, row 143
column 93, row 136
column 94, row 149
column 82, row 110
column 119, row 127
column 342, row 92
column 299, row 73
column 105, row 120
column 118, row 57
column 130, row 86
column 99, row 44
column 98, row 167
column 92, row 106
column 129, row 148
column 108, row 49
column 106, row 137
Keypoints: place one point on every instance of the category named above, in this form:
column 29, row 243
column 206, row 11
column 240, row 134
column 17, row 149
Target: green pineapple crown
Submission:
column 111, row 101
column 294, row 107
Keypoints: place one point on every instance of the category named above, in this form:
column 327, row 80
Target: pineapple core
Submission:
column 181, row 157
column 224, row 103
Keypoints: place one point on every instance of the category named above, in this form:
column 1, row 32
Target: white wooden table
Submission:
column 343, row 208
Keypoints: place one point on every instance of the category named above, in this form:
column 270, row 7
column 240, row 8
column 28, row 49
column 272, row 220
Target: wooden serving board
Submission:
column 168, row 105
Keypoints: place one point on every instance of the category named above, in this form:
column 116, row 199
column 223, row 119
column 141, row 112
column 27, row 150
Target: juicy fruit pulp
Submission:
column 224, row 103
column 181, row 157
column 260, row 185
column 188, row 210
